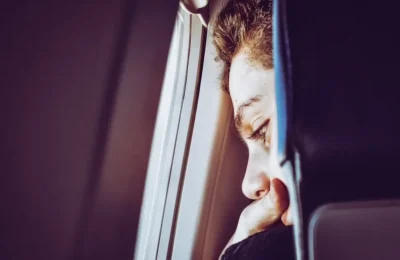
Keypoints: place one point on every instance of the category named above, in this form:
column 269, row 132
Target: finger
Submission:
column 265, row 212
column 287, row 218
column 280, row 196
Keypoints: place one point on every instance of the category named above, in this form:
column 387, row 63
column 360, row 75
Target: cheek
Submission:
column 273, row 156
column 261, row 161
column 258, row 158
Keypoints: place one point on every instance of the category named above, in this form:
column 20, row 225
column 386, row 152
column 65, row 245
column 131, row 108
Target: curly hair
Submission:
column 243, row 25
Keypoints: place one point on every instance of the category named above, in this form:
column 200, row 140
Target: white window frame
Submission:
column 170, row 142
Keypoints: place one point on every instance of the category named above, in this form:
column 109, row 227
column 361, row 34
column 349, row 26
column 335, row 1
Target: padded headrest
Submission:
column 341, row 79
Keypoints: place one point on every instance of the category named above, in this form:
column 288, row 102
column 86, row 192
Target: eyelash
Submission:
column 259, row 134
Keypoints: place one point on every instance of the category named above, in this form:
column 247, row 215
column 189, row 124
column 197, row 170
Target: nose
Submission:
column 255, row 184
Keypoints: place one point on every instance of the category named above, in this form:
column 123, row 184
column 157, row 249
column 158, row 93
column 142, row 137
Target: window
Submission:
column 170, row 139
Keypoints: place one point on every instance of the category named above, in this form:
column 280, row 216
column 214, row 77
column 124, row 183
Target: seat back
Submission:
column 355, row 230
column 337, row 73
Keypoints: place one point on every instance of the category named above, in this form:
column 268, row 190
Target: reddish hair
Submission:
column 243, row 25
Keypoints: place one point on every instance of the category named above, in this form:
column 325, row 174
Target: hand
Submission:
column 265, row 212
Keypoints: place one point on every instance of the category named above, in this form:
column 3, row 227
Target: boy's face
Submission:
column 253, row 96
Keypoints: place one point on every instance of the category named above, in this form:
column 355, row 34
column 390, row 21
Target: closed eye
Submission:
column 259, row 133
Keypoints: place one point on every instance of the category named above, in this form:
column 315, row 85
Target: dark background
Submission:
column 79, row 89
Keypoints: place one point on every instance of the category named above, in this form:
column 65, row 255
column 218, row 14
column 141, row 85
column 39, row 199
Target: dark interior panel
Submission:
column 63, row 70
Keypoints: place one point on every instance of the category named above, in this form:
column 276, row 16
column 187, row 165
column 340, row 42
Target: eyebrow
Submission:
column 239, row 114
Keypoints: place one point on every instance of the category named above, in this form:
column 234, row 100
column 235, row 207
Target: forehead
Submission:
column 247, row 80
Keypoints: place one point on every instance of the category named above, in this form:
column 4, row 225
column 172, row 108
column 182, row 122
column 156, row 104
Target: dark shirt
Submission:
column 275, row 243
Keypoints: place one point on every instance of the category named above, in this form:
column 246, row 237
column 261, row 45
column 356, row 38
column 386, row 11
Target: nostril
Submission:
column 255, row 184
column 261, row 193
